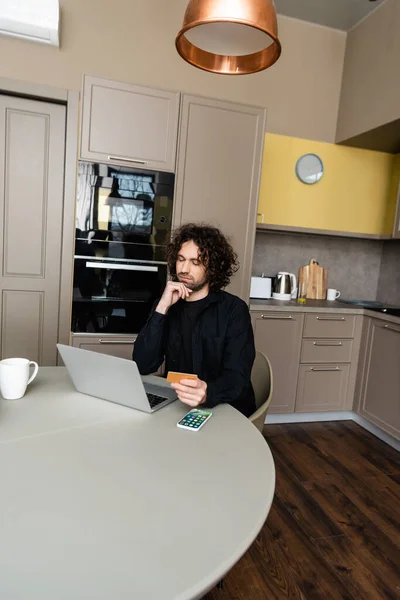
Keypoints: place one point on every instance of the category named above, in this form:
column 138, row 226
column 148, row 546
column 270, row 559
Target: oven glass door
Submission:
column 114, row 296
column 123, row 212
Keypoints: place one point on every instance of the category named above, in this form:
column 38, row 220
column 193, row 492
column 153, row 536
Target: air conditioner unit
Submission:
column 33, row 20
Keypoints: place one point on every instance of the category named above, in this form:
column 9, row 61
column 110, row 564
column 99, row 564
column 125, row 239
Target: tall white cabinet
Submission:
column 32, row 142
column 218, row 173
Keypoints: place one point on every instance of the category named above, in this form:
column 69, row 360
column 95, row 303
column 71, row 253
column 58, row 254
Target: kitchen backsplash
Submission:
column 389, row 279
column 354, row 265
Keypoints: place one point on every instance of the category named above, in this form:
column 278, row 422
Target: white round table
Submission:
column 101, row 502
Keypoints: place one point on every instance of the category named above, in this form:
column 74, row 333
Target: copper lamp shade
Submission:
column 231, row 37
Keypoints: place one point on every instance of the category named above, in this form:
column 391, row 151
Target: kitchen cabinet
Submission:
column 362, row 359
column 130, row 124
column 357, row 367
column 322, row 387
column 32, row 157
column 115, row 345
column 329, row 359
column 352, row 198
column 278, row 335
column 324, row 325
column 218, row 172
column 369, row 99
column 326, row 351
column 314, row 358
column 380, row 390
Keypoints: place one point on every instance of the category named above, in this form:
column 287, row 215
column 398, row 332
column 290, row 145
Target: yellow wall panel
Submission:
column 393, row 194
column 354, row 195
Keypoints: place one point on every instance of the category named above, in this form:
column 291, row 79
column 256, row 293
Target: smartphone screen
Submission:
column 194, row 419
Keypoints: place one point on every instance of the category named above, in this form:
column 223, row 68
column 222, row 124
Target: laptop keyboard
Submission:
column 155, row 400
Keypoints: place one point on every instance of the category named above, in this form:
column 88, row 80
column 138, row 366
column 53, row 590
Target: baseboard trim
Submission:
column 377, row 432
column 310, row 417
column 334, row 416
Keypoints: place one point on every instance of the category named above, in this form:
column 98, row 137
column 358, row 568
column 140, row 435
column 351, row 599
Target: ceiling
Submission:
column 339, row 14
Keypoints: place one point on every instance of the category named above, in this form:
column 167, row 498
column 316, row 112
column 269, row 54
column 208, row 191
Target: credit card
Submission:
column 175, row 377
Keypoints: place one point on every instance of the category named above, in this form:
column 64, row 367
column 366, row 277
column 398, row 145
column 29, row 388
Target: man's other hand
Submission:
column 191, row 391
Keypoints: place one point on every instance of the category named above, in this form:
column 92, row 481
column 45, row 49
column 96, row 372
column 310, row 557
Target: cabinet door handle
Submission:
column 277, row 317
column 325, row 369
column 390, row 328
column 136, row 161
column 331, row 319
column 328, row 344
column 123, row 342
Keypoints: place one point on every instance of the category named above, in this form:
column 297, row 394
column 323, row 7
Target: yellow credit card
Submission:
column 175, row 377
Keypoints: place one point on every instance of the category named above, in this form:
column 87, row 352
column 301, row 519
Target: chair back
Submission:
column 262, row 381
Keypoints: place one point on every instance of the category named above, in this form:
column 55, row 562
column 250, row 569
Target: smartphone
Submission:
column 194, row 419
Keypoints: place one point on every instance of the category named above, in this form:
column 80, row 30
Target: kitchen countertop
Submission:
column 318, row 306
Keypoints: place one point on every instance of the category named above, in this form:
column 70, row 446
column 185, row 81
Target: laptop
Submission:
column 115, row 379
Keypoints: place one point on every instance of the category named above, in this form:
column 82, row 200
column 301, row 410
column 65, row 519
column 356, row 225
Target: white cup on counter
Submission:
column 14, row 377
column 332, row 294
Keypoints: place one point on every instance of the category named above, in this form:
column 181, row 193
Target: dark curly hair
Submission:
column 215, row 252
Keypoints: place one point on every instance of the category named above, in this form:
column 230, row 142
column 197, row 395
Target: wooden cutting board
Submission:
column 313, row 281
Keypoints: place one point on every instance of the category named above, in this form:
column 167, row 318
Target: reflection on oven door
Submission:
column 114, row 297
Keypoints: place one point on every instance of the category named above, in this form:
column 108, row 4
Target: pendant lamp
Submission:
column 231, row 37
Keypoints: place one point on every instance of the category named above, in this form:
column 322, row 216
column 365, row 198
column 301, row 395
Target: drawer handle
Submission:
column 325, row 369
column 328, row 344
column 110, row 342
column 390, row 328
column 276, row 317
column 130, row 160
column 331, row 319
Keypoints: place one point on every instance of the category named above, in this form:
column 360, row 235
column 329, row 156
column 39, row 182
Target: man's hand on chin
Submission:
column 191, row 391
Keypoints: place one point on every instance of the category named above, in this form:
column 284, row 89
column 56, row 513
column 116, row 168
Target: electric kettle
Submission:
column 285, row 286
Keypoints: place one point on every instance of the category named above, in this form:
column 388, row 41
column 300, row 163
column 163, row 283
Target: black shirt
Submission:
column 188, row 313
column 222, row 350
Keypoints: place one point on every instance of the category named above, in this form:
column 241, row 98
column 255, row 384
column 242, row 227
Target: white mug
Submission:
column 332, row 294
column 14, row 377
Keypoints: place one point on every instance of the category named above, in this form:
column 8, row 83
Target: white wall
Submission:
column 133, row 40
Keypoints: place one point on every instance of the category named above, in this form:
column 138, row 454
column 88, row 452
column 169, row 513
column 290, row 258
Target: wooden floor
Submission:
column 334, row 527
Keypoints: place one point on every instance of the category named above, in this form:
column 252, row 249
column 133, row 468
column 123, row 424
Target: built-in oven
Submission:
column 123, row 223
column 114, row 296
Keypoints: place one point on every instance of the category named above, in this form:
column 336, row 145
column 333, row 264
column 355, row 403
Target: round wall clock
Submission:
column 309, row 168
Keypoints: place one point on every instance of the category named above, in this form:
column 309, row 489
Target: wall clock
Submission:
column 309, row 168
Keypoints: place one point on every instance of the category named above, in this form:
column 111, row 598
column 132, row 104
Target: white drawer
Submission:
column 326, row 351
column 325, row 325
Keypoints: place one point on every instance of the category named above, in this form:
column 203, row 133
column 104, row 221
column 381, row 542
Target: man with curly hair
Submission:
column 199, row 328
